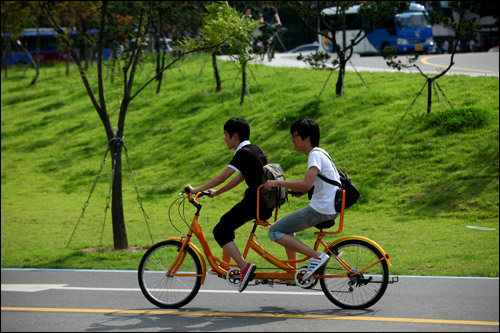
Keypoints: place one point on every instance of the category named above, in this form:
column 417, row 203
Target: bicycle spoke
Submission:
column 364, row 285
column 169, row 289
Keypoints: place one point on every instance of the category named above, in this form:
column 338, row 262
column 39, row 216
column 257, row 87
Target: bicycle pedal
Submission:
column 270, row 283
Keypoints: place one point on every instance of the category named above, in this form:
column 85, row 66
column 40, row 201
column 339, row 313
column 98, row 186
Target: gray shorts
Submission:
column 299, row 220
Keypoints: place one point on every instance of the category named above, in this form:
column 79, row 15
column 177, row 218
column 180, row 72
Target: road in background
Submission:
column 473, row 64
column 60, row 300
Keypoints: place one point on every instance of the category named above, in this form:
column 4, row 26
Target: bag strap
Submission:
column 328, row 180
column 249, row 149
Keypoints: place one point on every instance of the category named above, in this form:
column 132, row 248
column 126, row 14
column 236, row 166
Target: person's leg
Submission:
column 293, row 244
column 292, row 255
column 241, row 213
column 282, row 231
column 226, row 257
column 224, row 235
column 232, row 250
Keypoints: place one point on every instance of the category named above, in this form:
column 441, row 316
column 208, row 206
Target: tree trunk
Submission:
column 216, row 72
column 119, row 230
column 5, row 52
column 340, row 80
column 243, row 82
column 33, row 63
column 160, row 78
column 429, row 95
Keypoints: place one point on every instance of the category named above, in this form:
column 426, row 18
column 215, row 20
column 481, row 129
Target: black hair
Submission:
column 307, row 128
column 238, row 125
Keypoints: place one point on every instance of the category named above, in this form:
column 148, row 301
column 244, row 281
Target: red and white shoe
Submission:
column 245, row 275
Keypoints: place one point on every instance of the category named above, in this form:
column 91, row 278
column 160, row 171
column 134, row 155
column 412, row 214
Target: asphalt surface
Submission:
column 67, row 300
column 472, row 64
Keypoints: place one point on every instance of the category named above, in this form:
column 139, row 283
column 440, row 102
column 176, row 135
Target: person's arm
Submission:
column 277, row 19
column 302, row 186
column 219, row 179
column 231, row 184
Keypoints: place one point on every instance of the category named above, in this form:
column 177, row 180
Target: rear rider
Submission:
column 321, row 208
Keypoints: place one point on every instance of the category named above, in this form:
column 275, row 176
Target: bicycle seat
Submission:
column 325, row 225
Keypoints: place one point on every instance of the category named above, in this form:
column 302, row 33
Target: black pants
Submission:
column 242, row 212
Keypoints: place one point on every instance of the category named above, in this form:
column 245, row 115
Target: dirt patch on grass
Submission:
column 112, row 249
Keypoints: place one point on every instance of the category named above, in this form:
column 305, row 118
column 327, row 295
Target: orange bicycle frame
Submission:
column 285, row 265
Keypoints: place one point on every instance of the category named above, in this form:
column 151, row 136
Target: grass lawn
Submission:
column 423, row 180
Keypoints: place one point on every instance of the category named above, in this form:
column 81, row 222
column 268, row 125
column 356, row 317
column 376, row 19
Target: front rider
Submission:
column 248, row 168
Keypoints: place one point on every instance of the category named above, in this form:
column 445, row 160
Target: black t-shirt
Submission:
column 268, row 14
column 247, row 162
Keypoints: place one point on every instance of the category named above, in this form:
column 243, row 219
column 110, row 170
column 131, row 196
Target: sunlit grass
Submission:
column 421, row 186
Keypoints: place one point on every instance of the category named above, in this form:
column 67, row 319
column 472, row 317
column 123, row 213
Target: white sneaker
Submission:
column 315, row 264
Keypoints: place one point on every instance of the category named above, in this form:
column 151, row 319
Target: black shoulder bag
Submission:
column 351, row 192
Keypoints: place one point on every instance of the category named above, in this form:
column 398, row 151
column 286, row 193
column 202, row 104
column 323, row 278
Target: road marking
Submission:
column 31, row 288
column 135, row 272
column 44, row 287
column 425, row 61
column 257, row 315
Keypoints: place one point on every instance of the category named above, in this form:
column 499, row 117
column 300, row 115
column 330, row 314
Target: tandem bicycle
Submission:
column 171, row 272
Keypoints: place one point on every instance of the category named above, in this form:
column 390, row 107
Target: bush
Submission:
column 457, row 120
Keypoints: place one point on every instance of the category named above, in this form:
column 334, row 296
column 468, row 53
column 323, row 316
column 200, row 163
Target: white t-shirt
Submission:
column 323, row 200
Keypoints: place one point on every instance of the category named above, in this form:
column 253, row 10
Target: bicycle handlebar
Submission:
column 198, row 195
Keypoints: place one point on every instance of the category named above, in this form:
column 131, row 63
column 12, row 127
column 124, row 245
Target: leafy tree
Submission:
column 464, row 27
column 173, row 19
column 225, row 27
column 372, row 13
column 134, row 19
column 16, row 16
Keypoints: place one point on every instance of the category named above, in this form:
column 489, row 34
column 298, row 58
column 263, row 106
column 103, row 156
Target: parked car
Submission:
column 306, row 48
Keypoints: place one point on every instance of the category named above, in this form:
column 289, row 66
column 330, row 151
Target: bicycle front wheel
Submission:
column 170, row 289
column 356, row 291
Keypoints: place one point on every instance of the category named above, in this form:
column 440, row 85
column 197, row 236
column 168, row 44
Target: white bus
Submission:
column 410, row 31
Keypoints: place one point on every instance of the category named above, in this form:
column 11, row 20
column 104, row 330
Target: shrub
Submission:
column 457, row 120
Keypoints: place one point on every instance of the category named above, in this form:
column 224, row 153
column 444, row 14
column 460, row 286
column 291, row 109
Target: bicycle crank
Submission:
column 233, row 277
column 307, row 284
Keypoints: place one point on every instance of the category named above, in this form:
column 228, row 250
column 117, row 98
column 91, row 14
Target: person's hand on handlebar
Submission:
column 189, row 189
column 194, row 190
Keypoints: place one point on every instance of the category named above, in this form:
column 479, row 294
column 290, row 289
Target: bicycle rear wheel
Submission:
column 178, row 288
column 358, row 291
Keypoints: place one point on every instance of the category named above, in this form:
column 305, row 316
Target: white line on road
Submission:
column 44, row 287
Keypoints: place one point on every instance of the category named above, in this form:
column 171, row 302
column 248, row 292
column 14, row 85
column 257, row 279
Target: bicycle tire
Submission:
column 358, row 291
column 169, row 291
column 270, row 54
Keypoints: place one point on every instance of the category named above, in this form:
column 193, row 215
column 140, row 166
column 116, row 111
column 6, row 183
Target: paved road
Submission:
column 52, row 300
column 473, row 64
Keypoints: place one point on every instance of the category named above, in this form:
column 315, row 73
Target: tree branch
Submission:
column 170, row 64
column 45, row 6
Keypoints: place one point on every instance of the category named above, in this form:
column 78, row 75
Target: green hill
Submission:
column 423, row 179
